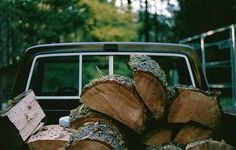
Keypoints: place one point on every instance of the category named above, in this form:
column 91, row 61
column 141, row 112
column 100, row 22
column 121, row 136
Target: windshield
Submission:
column 66, row 75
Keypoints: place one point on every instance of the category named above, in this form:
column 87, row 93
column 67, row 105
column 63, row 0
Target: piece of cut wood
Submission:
column 193, row 132
column 115, row 96
column 22, row 117
column 197, row 106
column 167, row 146
column 209, row 145
column 89, row 145
column 157, row 137
column 96, row 135
column 49, row 138
column 151, row 84
column 83, row 114
column 152, row 92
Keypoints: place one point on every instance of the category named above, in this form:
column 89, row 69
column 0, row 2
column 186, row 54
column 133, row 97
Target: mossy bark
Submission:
column 83, row 114
column 151, row 85
column 146, row 64
column 209, row 145
column 167, row 146
column 101, row 132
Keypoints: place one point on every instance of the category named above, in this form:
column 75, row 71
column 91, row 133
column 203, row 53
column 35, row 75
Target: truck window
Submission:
column 94, row 67
column 176, row 70
column 121, row 66
column 60, row 75
column 56, row 76
column 174, row 67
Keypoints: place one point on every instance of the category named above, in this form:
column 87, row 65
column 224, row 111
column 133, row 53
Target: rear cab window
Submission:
column 63, row 75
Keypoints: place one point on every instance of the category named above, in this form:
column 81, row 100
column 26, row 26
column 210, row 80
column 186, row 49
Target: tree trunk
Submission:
column 157, row 137
column 197, row 106
column 193, row 132
column 22, row 118
column 96, row 136
column 209, row 145
column 129, row 4
column 49, row 138
column 146, row 23
column 115, row 96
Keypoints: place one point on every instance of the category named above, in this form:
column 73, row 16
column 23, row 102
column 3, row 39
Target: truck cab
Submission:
column 57, row 73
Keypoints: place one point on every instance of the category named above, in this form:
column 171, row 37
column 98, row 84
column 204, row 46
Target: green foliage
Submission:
column 30, row 22
column 106, row 23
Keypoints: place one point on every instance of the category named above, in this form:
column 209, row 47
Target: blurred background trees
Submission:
column 24, row 23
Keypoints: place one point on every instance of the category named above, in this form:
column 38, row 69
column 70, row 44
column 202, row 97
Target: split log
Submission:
column 22, row 117
column 83, row 114
column 197, row 106
column 49, row 137
column 96, row 136
column 115, row 96
column 157, row 137
column 193, row 132
column 209, row 145
column 167, row 146
column 150, row 83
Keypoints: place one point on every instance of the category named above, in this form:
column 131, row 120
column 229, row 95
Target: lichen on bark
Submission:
column 167, row 146
column 79, row 112
column 98, row 131
column 119, row 79
column 146, row 64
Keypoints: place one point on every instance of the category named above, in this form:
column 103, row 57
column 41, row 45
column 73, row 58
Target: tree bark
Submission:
column 83, row 114
column 209, row 145
column 146, row 23
column 96, row 136
column 167, row 146
column 129, row 4
column 151, row 84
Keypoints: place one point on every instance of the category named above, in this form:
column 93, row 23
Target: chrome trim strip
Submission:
column 80, row 73
column 111, row 65
column 58, row 97
column 101, row 54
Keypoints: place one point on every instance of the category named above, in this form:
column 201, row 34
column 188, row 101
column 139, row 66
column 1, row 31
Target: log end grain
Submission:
column 209, row 145
column 49, row 137
column 152, row 92
column 193, row 132
column 194, row 105
column 114, row 97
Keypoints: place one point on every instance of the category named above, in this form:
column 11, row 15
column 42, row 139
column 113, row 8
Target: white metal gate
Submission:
column 216, row 49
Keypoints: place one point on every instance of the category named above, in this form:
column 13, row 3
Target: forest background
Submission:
column 24, row 23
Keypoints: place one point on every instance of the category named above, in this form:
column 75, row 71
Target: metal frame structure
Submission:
column 230, row 43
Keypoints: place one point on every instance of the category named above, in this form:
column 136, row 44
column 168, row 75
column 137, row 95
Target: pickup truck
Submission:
column 57, row 73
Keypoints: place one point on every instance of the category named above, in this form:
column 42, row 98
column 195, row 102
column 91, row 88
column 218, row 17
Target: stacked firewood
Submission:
column 144, row 113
